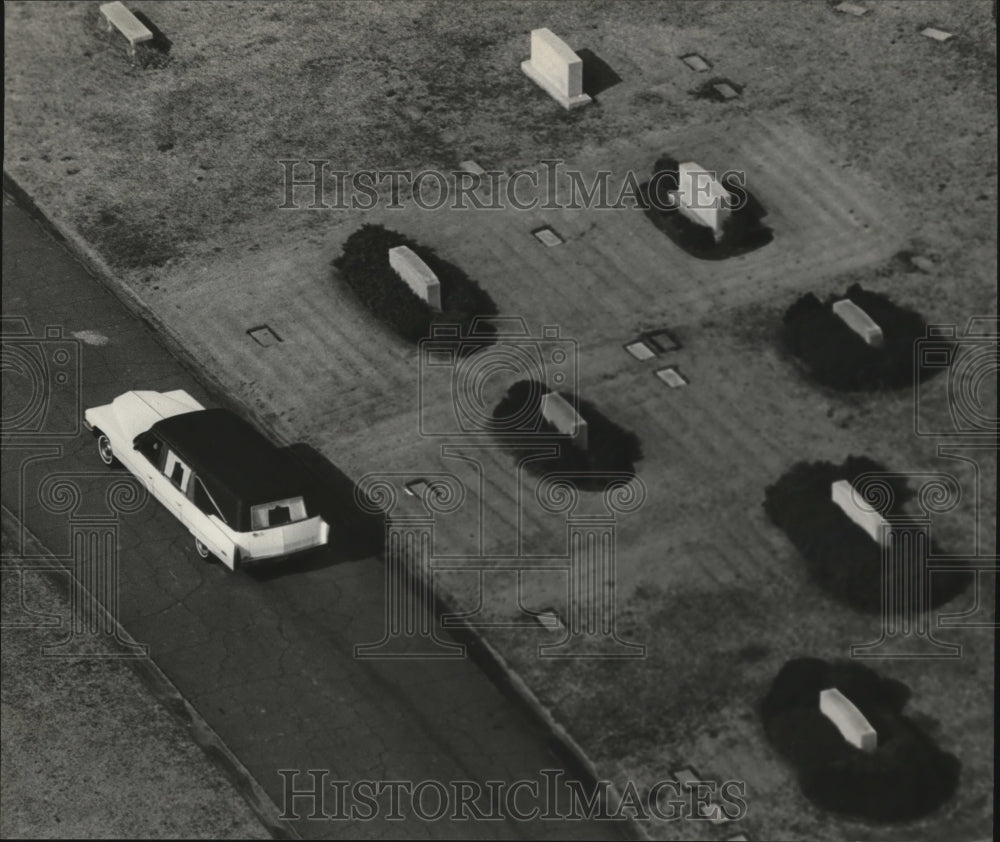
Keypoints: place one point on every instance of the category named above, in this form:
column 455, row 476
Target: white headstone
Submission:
column 556, row 69
column 417, row 274
column 859, row 321
column 702, row 198
column 842, row 493
column 561, row 415
column 850, row 721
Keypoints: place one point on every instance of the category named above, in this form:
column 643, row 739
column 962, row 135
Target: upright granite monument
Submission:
column 556, row 69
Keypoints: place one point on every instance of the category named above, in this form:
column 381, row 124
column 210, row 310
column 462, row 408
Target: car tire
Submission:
column 105, row 452
column 203, row 551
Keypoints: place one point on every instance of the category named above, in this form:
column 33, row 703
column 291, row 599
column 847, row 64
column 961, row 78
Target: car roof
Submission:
column 239, row 466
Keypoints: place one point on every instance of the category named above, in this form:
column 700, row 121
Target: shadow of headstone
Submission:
column 598, row 75
column 159, row 42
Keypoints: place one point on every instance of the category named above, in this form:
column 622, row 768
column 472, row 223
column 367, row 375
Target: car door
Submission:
column 146, row 462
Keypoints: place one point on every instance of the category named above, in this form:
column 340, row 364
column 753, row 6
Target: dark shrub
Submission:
column 842, row 558
column 907, row 776
column 364, row 266
column 610, row 447
column 742, row 232
column 836, row 356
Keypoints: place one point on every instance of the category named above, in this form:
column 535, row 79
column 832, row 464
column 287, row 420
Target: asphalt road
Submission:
column 267, row 660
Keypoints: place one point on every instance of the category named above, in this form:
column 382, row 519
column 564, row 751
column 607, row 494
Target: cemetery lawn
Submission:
column 865, row 142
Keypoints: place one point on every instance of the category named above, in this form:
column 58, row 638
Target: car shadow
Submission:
column 598, row 75
column 355, row 534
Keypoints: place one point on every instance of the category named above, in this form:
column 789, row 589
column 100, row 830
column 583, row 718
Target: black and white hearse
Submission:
column 236, row 492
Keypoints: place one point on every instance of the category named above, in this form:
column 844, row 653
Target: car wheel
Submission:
column 202, row 550
column 105, row 452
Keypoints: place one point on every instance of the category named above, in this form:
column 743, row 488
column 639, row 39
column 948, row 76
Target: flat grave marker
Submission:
column 640, row 350
column 672, row 377
column 549, row 618
column 852, row 9
column 726, row 91
column 547, row 237
column 686, row 777
column 696, row 62
column 264, row 336
column 936, row 34
column 661, row 340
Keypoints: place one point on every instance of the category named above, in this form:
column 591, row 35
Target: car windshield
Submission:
column 267, row 515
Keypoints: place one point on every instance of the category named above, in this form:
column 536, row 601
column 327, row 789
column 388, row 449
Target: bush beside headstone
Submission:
column 836, row 356
column 905, row 777
column 841, row 557
column 364, row 266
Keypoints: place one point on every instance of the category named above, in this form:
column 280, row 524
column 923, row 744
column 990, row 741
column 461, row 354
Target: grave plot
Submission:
column 711, row 217
column 531, row 414
column 408, row 286
column 860, row 341
column 841, row 539
column 842, row 727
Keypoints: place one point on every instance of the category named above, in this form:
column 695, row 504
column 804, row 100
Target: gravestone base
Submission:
column 540, row 79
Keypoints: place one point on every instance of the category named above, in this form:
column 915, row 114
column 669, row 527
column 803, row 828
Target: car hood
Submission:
column 135, row 412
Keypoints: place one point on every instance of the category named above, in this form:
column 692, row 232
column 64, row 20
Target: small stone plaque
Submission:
column 726, row 91
column 852, row 9
column 473, row 168
column 712, row 812
column 550, row 619
column 696, row 63
column 687, row 777
column 264, row 335
column 661, row 340
column 936, row 34
column 672, row 377
column 547, row 237
column 640, row 350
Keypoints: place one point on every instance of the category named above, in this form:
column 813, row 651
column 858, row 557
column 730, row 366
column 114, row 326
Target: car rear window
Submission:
column 267, row 515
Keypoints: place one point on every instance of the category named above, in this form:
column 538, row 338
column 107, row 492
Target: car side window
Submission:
column 149, row 446
column 202, row 499
column 177, row 472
